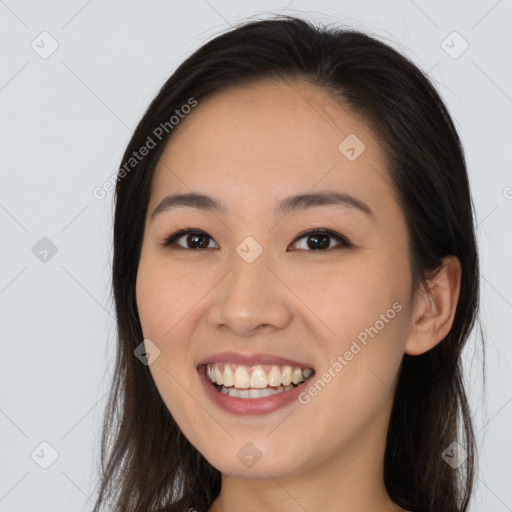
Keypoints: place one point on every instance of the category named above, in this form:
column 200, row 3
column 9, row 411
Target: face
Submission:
column 321, row 285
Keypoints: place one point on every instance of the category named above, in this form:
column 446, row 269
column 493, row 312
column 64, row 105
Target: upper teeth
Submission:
column 256, row 377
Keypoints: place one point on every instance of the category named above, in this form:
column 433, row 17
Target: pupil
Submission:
column 316, row 238
column 195, row 237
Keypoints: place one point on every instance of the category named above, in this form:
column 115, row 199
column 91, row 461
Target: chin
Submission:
column 247, row 461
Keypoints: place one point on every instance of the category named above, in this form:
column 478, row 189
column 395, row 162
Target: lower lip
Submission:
column 249, row 406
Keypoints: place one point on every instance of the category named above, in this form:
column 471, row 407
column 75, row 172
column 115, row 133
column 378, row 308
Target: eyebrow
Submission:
column 296, row 202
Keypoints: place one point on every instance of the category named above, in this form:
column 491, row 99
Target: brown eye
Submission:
column 193, row 239
column 320, row 240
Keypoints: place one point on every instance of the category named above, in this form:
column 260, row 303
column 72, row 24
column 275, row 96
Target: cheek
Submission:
column 162, row 302
column 355, row 297
column 367, row 312
column 163, row 297
column 365, row 307
column 166, row 300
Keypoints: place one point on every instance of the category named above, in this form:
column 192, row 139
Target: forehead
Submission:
column 269, row 140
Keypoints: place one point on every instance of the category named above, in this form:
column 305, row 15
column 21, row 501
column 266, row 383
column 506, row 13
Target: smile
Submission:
column 250, row 382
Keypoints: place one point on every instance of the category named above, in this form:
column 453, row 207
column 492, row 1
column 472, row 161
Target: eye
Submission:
column 194, row 239
column 316, row 239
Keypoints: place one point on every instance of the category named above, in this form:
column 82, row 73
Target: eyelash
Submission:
column 170, row 241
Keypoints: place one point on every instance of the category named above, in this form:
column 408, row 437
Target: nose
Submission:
column 250, row 298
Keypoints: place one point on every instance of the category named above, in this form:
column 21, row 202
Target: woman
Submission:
column 295, row 275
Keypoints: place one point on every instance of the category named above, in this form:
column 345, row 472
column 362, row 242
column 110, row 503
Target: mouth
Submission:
column 253, row 382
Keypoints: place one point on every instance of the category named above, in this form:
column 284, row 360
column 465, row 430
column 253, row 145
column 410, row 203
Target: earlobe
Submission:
column 434, row 308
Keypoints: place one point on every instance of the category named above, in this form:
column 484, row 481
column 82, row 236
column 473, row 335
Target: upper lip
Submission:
column 252, row 359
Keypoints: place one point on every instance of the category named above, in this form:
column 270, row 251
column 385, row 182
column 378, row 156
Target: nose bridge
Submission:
column 250, row 294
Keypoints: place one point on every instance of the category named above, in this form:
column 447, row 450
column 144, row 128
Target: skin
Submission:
column 250, row 148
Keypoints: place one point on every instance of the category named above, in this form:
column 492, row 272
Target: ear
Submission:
column 434, row 308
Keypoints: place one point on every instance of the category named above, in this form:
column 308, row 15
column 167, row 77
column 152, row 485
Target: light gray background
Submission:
column 64, row 123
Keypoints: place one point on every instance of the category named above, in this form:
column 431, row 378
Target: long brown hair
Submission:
column 147, row 464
